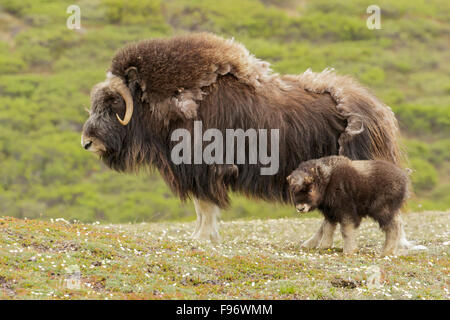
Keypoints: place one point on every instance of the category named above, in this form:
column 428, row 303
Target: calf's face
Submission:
column 304, row 190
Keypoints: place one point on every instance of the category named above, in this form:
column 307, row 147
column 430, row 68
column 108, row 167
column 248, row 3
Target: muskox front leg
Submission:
column 328, row 235
column 314, row 241
column 207, row 227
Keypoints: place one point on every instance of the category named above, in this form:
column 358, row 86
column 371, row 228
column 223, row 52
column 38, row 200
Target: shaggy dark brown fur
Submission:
column 204, row 77
column 345, row 191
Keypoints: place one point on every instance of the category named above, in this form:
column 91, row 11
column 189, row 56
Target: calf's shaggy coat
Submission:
column 345, row 191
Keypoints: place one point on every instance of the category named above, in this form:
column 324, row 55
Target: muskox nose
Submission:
column 87, row 144
column 302, row 208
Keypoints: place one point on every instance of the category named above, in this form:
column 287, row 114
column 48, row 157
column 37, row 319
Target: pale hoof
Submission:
column 325, row 245
column 418, row 247
column 386, row 253
column 213, row 237
column 308, row 244
column 350, row 251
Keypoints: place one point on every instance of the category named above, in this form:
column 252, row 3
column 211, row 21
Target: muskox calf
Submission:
column 345, row 191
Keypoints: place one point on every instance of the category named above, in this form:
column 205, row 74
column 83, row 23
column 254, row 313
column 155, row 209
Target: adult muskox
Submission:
column 156, row 86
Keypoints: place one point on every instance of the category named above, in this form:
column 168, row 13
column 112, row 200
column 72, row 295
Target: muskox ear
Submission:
column 295, row 183
column 308, row 179
column 132, row 75
column 290, row 180
column 319, row 170
column 323, row 171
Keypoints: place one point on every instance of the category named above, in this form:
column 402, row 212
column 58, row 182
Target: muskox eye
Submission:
column 117, row 106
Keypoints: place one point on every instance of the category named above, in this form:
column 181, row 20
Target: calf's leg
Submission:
column 393, row 231
column 328, row 234
column 323, row 238
column 313, row 242
column 348, row 234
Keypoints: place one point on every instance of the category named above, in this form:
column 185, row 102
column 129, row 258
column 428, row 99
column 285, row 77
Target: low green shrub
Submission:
column 424, row 176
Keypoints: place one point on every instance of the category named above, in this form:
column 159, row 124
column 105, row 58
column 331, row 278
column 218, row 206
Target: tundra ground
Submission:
column 257, row 259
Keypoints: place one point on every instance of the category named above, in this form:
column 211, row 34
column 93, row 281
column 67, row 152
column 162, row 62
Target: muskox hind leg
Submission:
column 207, row 227
column 393, row 231
column 403, row 242
column 348, row 234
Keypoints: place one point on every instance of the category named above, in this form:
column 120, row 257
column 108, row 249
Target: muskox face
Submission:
column 304, row 189
column 104, row 132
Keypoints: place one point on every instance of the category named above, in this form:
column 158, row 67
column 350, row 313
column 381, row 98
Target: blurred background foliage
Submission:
column 47, row 71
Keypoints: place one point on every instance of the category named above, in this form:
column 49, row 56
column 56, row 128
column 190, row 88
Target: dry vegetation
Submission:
column 48, row 70
column 257, row 259
column 46, row 73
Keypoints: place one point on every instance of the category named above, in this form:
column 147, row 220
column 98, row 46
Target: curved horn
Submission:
column 117, row 84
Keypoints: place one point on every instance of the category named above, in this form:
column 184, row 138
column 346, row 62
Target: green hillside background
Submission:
column 47, row 71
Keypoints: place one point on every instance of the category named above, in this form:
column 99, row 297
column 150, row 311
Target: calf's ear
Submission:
column 323, row 170
column 289, row 179
column 308, row 179
column 295, row 183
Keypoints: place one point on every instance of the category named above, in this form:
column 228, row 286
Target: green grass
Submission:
column 257, row 259
column 47, row 71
